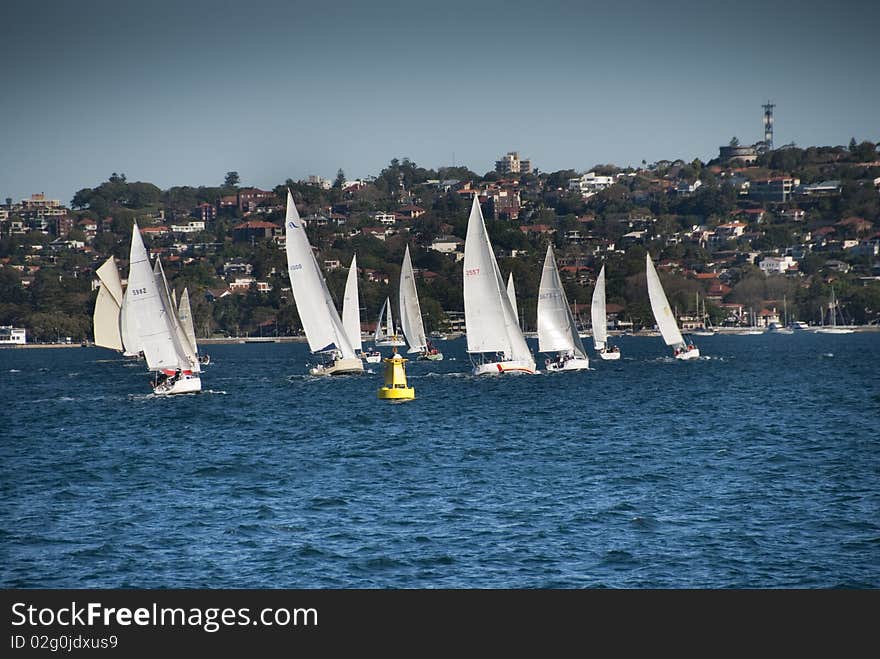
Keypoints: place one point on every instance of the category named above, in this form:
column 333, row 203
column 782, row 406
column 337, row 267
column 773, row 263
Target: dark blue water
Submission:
column 756, row 467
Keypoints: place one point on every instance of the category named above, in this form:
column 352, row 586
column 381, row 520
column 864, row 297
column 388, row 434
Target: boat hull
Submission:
column 187, row 384
column 688, row 355
column 512, row 366
column 372, row 357
column 390, row 343
column 609, row 356
column 339, row 367
column 573, row 364
column 833, row 330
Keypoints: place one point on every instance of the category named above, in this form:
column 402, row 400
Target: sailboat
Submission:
column 490, row 321
column 664, row 317
column 411, row 313
column 776, row 328
column 833, row 327
column 600, row 320
column 154, row 321
column 351, row 315
column 320, row 320
column 705, row 329
column 557, row 330
column 385, row 334
column 108, row 307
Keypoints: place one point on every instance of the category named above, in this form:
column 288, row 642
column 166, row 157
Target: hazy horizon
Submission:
column 179, row 94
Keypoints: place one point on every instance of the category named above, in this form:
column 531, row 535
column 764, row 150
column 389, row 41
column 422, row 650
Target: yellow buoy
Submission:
column 395, row 380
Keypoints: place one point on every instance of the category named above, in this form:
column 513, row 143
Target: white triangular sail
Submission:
column 557, row 330
column 490, row 321
column 317, row 313
column 147, row 312
column 511, row 295
column 410, row 310
column 187, row 357
column 598, row 316
column 351, row 307
column 184, row 315
column 380, row 334
column 660, row 306
column 108, row 306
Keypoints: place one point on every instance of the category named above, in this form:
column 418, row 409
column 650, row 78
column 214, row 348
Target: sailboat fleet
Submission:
column 146, row 319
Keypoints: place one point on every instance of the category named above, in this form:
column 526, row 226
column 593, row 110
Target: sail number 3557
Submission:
column 472, row 271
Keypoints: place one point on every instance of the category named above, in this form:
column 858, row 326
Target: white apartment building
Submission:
column 590, row 183
column 776, row 265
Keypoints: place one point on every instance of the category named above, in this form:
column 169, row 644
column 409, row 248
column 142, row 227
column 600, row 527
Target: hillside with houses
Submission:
column 746, row 234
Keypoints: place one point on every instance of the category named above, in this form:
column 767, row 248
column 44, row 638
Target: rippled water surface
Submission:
column 757, row 466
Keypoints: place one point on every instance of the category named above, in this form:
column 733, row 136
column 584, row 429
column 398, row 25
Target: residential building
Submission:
column 237, row 267
column 820, row 189
column 683, row 189
column 205, row 212
column 590, row 183
column 193, row 226
column 255, row 230
column 447, row 244
column 511, row 163
column 775, row 189
column 384, row 217
column 743, row 154
column 777, row 264
column 319, row 182
column 10, row 335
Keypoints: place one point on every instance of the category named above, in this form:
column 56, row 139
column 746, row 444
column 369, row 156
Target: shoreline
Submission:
column 301, row 339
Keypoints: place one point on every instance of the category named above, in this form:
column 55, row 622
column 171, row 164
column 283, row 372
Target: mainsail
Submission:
column 490, row 321
column 410, row 310
column 147, row 314
column 184, row 315
column 351, row 307
column 557, row 330
column 597, row 312
column 317, row 313
column 660, row 306
column 106, row 317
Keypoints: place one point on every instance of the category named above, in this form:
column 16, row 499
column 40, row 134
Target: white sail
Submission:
column 318, row 314
column 511, row 295
column 598, row 315
column 557, row 330
column 490, row 321
column 660, row 306
column 147, row 312
column 351, row 308
column 184, row 315
column 108, row 305
column 380, row 334
column 109, row 276
column 410, row 310
column 105, row 320
column 186, row 355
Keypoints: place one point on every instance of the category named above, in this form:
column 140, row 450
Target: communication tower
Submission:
column 768, row 125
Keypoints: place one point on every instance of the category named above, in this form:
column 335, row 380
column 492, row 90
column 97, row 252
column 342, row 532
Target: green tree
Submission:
column 339, row 181
column 232, row 179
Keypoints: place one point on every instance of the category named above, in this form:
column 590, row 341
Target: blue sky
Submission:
column 179, row 93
